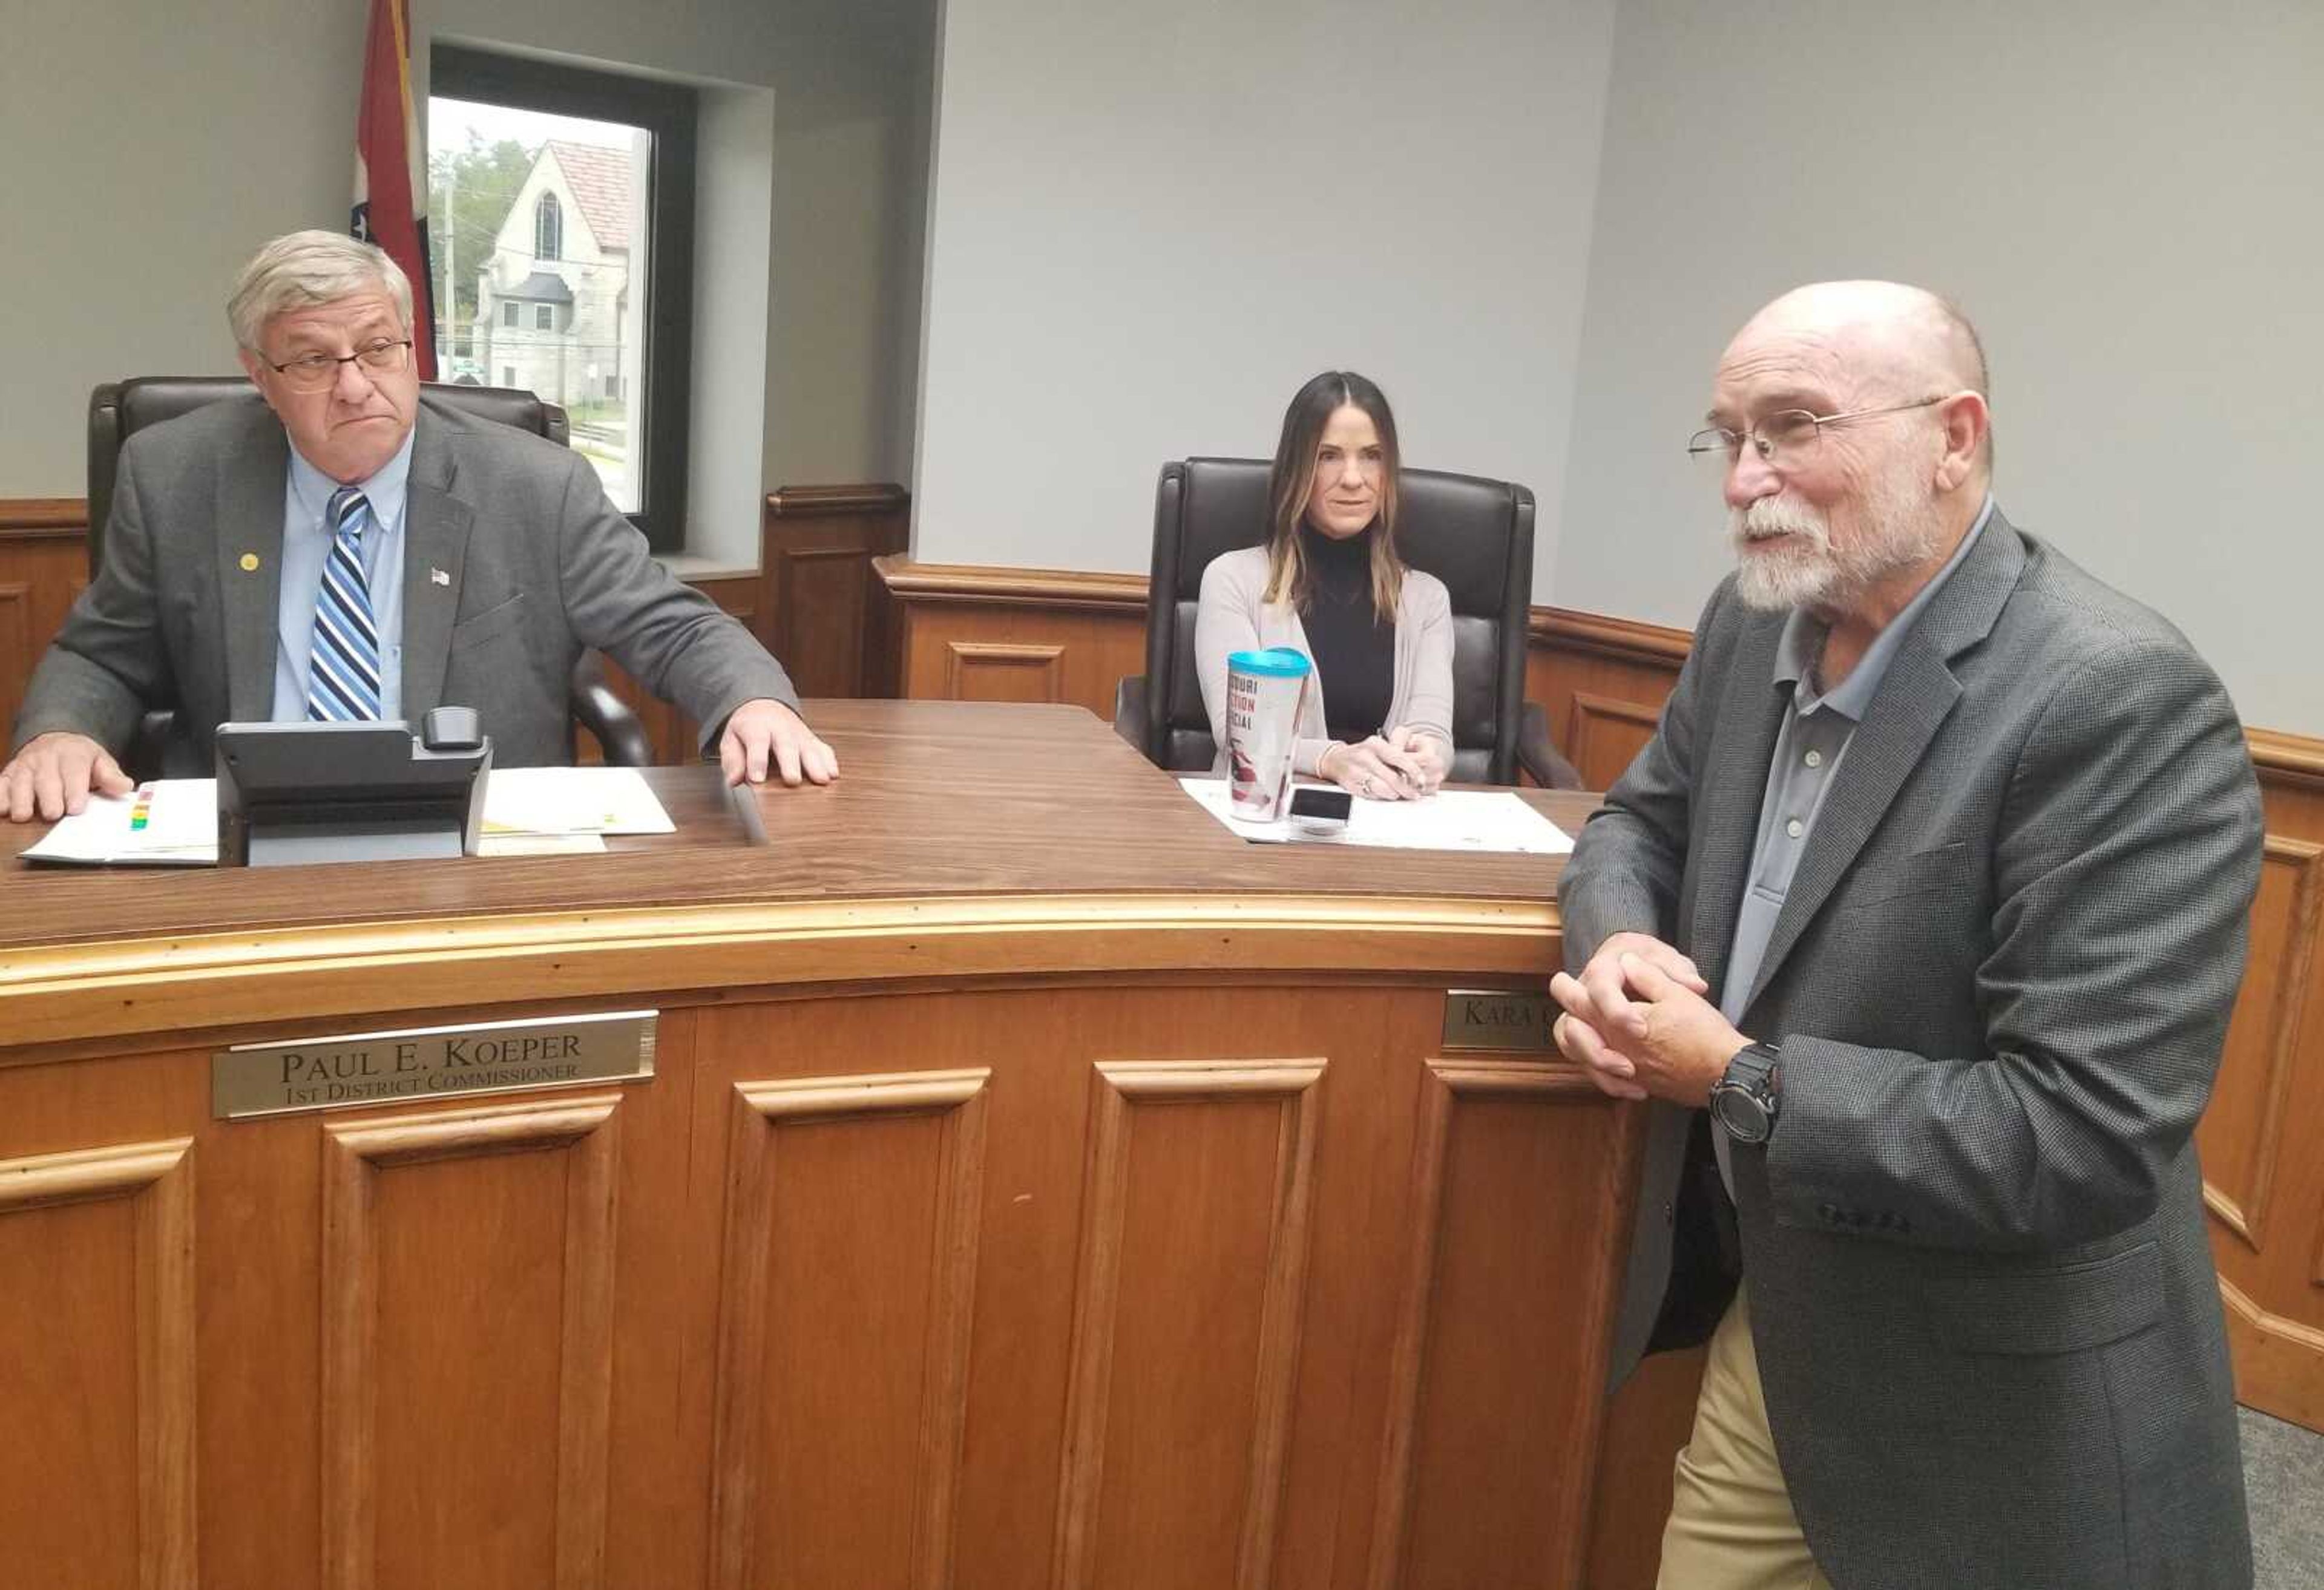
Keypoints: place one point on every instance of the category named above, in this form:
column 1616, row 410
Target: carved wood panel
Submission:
column 467, row 1291
column 820, row 609
column 1186, row 1325
column 852, row 1206
column 980, row 670
column 1470, row 1398
column 109, row 1497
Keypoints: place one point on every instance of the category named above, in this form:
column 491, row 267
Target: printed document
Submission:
column 1450, row 820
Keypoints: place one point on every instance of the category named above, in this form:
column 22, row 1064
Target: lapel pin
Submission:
column 437, row 576
column 249, row 563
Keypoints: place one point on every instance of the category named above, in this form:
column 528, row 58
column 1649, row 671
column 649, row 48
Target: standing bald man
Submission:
column 1921, row 918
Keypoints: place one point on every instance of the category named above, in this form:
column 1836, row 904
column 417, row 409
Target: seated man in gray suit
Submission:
column 1933, row 885
column 363, row 552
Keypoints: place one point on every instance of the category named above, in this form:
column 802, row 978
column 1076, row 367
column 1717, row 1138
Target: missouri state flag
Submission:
column 391, row 206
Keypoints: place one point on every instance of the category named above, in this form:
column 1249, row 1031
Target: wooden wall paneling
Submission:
column 1474, row 1404
column 819, row 608
column 1602, row 682
column 468, row 1344
column 2242, row 1133
column 2265, row 1186
column 671, row 733
column 18, row 653
column 984, row 670
column 1187, row 1324
column 843, row 1348
column 969, row 634
column 43, row 567
column 111, row 1230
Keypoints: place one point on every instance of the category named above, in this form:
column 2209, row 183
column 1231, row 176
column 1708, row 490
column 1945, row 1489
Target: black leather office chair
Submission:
column 118, row 411
column 1474, row 534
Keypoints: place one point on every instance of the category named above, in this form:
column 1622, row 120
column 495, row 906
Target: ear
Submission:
column 1966, row 421
column 256, row 368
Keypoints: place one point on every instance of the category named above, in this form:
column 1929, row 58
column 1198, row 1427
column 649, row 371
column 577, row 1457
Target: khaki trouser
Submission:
column 1731, row 1525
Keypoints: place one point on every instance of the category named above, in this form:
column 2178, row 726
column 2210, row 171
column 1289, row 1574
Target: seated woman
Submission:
column 1377, row 715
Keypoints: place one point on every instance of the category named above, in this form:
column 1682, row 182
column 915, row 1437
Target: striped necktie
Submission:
column 342, row 677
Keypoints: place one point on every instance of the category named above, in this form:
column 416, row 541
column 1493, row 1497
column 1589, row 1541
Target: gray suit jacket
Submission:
column 537, row 566
column 1983, row 1299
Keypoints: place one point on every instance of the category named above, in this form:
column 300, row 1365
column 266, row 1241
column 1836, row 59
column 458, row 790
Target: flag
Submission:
column 391, row 206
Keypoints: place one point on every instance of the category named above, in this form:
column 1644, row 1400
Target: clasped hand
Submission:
column 1401, row 764
column 1638, row 1022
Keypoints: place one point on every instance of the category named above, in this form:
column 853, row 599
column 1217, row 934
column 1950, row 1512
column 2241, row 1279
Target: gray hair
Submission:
column 301, row 268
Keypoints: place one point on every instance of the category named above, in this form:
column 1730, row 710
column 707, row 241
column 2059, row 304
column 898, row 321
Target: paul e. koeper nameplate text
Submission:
column 430, row 1062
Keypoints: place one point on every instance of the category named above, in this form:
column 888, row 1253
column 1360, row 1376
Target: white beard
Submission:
column 1899, row 530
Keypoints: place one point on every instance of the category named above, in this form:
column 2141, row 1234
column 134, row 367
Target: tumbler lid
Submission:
column 1276, row 662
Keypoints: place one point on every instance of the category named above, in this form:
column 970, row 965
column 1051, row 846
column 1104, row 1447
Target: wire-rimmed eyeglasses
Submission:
column 1788, row 430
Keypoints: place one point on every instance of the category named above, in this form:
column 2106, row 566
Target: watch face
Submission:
column 1743, row 1117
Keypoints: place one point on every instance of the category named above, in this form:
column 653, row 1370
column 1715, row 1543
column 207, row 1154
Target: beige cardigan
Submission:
column 1233, row 616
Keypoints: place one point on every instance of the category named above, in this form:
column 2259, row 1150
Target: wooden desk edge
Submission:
column 188, row 982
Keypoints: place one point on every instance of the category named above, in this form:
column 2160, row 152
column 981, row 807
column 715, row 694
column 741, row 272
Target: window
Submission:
column 548, row 229
column 573, row 191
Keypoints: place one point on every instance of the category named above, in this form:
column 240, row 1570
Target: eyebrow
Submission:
column 1779, row 401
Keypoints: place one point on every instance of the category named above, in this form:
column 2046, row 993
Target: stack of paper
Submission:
column 554, row 811
column 168, row 822
column 1449, row 820
column 528, row 811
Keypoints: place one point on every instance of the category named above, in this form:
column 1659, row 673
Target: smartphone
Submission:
column 1319, row 809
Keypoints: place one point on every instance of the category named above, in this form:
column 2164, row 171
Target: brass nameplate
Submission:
column 1509, row 1020
column 430, row 1062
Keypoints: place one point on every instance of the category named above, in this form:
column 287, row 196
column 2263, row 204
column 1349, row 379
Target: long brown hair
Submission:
column 1292, row 480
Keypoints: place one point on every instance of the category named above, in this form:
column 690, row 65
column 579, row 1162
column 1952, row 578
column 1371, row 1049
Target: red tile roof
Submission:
column 600, row 180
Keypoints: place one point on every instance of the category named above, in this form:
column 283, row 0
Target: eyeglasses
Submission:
column 313, row 373
column 1789, row 430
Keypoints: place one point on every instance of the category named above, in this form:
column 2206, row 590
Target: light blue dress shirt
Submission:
column 306, row 547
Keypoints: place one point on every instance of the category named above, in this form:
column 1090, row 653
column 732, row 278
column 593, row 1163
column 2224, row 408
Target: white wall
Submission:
column 2122, row 193
column 143, row 155
column 1152, row 222
column 734, row 133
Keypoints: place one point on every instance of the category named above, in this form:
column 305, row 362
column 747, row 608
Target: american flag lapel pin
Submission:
column 437, row 576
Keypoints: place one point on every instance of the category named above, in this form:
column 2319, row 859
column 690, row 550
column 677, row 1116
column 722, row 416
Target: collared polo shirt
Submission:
column 1809, row 745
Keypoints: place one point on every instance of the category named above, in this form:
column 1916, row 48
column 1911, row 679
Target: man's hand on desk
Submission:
column 51, row 774
column 765, row 739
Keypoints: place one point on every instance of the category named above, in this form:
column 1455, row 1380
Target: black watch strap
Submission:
column 1744, row 1100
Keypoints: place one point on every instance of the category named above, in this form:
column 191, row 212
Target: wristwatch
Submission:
column 1743, row 1101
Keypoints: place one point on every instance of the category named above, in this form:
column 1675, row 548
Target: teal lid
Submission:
column 1276, row 662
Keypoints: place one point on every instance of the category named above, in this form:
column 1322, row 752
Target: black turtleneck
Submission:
column 1354, row 652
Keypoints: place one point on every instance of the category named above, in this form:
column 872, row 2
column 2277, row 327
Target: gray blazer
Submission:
column 1981, row 1291
column 537, row 566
